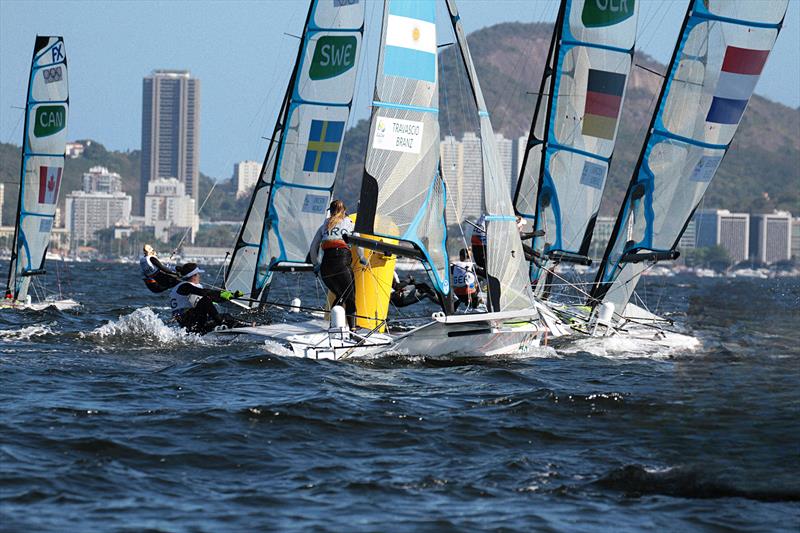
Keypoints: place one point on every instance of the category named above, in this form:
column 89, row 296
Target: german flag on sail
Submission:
column 741, row 69
column 603, row 100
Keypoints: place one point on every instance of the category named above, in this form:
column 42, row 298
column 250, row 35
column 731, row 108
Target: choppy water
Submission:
column 109, row 420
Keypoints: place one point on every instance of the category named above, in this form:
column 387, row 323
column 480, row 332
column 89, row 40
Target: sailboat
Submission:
column 720, row 53
column 43, row 146
column 402, row 211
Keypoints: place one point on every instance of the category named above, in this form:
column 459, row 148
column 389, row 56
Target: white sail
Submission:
column 720, row 54
column 291, row 197
column 43, row 146
column 506, row 269
column 402, row 193
column 591, row 57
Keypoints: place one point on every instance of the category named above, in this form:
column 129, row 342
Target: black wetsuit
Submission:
column 337, row 275
column 408, row 292
column 157, row 277
column 202, row 316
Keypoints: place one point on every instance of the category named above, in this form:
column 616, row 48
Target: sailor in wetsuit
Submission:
column 193, row 306
column 335, row 269
column 157, row 277
column 465, row 281
column 409, row 291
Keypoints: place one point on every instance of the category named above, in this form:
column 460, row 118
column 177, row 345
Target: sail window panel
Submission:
column 330, row 68
column 611, row 22
column 529, row 183
column 681, row 175
column 312, row 145
column 591, row 91
column 503, row 256
column 759, row 11
column 431, row 232
column 578, row 200
column 339, row 14
column 251, row 233
column 297, row 214
column 240, row 272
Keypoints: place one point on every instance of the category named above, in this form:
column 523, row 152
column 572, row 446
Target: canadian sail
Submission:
column 402, row 192
column 568, row 154
column 290, row 199
column 508, row 286
column 43, row 145
column 720, row 54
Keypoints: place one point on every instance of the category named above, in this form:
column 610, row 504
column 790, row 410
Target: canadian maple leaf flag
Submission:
column 49, row 182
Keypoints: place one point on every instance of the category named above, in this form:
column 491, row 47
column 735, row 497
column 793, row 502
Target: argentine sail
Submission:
column 402, row 192
column 290, row 199
column 720, row 54
column 575, row 125
column 43, row 145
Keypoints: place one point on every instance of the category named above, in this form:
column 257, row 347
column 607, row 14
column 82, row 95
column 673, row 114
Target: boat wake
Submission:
column 632, row 346
column 142, row 327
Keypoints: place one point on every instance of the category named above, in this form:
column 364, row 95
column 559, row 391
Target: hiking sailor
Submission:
column 335, row 268
column 465, row 280
column 409, row 291
column 157, row 277
column 193, row 305
column 478, row 241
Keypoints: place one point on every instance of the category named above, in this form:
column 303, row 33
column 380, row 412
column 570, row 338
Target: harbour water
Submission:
column 112, row 420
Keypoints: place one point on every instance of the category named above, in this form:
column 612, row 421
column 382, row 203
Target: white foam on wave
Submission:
column 633, row 346
column 144, row 327
column 277, row 348
column 26, row 332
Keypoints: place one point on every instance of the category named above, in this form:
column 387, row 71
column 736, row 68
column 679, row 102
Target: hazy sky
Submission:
column 239, row 51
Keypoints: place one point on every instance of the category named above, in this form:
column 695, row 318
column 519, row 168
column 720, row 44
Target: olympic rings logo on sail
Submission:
column 53, row 74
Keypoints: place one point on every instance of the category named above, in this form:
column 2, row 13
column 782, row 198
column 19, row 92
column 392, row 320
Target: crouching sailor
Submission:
column 465, row 282
column 157, row 277
column 193, row 306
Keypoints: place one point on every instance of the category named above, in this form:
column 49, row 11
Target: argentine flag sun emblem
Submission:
column 411, row 40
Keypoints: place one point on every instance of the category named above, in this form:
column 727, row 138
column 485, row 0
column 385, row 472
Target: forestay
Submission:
column 568, row 155
column 290, row 199
column 720, row 54
column 509, row 288
column 43, row 145
column 402, row 193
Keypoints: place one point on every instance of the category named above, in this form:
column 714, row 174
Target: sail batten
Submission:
column 721, row 51
column 291, row 197
column 42, row 163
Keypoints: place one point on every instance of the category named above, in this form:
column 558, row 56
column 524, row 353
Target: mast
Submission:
column 717, row 60
column 508, row 285
column 42, row 164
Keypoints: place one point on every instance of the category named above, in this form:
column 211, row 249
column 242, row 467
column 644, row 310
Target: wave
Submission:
column 635, row 346
column 142, row 327
column 684, row 482
column 26, row 333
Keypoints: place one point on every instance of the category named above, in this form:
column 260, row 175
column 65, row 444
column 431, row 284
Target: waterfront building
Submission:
column 603, row 228
column 99, row 179
column 75, row 150
column 89, row 212
column 169, row 210
column 170, row 130
column 245, row 176
column 471, row 176
column 796, row 238
column 505, row 151
column 771, row 236
column 689, row 238
column 720, row 227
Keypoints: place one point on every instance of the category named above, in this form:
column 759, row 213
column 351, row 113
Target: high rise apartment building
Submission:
column 168, row 209
column 170, row 130
column 505, row 150
column 89, row 212
column 771, row 236
column 796, row 238
column 720, row 227
column 99, row 179
column 245, row 176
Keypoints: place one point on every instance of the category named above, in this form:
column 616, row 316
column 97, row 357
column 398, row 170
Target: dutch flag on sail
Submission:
column 741, row 69
column 411, row 40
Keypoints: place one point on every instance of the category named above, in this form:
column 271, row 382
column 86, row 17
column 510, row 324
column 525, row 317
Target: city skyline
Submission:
column 245, row 78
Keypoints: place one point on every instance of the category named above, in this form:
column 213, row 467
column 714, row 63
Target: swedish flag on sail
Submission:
column 324, row 138
column 411, row 40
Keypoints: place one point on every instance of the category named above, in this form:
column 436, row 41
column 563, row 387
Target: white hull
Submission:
column 60, row 305
column 472, row 335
